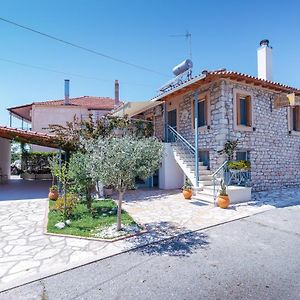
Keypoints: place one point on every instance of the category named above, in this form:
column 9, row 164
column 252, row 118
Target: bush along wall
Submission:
column 36, row 162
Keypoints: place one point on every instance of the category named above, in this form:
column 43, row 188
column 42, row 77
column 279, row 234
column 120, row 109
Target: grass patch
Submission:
column 83, row 223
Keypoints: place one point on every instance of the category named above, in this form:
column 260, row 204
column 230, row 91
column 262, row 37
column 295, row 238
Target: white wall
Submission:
column 5, row 156
column 43, row 116
column 171, row 175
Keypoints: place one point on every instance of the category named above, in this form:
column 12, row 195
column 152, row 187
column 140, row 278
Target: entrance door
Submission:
column 172, row 118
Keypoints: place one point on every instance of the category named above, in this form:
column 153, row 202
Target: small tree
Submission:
column 61, row 172
column 118, row 161
column 80, row 175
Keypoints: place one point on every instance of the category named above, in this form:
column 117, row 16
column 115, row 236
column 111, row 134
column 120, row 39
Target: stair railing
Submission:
column 175, row 137
column 219, row 171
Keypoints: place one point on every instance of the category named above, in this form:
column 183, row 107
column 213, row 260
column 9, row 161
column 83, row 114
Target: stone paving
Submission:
column 27, row 254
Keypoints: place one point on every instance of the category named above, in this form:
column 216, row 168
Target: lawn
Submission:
column 83, row 223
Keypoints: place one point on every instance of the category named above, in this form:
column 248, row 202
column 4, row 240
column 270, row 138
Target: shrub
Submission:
column 53, row 188
column 239, row 165
column 71, row 203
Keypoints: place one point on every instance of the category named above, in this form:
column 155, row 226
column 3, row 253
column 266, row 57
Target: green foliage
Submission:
column 53, row 188
column 74, row 133
column 83, row 223
column 68, row 205
column 223, row 189
column 187, row 185
column 118, row 161
column 80, row 175
column 229, row 149
column 239, row 165
column 36, row 162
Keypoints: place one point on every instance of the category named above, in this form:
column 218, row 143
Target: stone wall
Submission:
column 274, row 153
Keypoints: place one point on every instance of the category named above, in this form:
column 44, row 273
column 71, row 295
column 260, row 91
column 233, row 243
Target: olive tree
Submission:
column 118, row 161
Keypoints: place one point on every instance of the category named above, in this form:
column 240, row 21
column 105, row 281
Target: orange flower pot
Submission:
column 53, row 195
column 223, row 201
column 187, row 194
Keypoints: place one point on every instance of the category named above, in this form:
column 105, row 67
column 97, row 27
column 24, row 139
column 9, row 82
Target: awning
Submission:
column 134, row 108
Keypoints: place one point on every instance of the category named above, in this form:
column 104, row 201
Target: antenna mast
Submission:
column 188, row 38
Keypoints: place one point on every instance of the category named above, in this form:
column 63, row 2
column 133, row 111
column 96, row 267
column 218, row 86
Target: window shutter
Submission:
column 297, row 108
column 205, row 111
column 249, row 111
column 238, row 109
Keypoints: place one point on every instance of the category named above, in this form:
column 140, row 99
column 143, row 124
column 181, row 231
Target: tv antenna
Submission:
column 188, row 38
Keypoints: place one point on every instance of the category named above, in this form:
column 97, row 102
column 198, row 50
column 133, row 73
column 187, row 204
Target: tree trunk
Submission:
column 65, row 201
column 119, row 214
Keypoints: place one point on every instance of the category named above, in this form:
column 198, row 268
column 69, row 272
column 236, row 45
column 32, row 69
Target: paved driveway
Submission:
column 26, row 253
column 253, row 258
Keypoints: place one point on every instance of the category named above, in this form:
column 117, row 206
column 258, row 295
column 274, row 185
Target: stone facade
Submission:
column 274, row 151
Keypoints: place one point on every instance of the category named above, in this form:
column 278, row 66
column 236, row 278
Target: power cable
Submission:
column 84, row 48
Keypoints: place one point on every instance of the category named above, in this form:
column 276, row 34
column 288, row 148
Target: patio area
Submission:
column 27, row 253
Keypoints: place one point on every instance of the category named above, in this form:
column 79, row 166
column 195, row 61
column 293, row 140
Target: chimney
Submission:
column 67, row 91
column 117, row 93
column 264, row 61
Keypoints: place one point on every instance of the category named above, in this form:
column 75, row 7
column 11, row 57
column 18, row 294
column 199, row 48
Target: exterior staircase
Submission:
column 185, row 159
column 209, row 183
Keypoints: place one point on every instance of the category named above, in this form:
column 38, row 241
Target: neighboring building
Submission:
column 261, row 114
column 40, row 115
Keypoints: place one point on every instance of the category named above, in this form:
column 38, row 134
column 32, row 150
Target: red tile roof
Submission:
column 90, row 102
column 209, row 76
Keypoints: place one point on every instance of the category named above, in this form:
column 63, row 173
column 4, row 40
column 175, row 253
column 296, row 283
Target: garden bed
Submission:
column 85, row 224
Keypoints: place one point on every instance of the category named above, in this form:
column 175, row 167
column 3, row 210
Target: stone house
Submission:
column 261, row 114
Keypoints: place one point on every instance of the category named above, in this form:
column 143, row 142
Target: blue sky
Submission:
column 224, row 34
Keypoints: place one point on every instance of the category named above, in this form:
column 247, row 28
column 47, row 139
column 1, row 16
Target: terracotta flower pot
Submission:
column 223, row 201
column 187, row 194
column 53, row 195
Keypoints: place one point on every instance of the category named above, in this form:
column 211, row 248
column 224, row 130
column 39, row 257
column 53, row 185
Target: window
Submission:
column 203, row 111
column 243, row 155
column 295, row 118
column 242, row 111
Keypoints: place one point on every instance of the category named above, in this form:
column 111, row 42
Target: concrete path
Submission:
column 253, row 258
column 26, row 253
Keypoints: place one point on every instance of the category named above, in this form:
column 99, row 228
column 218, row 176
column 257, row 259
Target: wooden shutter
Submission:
column 249, row 111
column 297, row 115
column 238, row 109
column 205, row 111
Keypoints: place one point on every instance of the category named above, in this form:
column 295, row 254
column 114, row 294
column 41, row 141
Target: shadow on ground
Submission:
column 279, row 198
column 19, row 189
column 143, row 194
column 174, row 241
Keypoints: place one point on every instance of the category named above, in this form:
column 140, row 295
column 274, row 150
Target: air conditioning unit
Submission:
column 158, row 111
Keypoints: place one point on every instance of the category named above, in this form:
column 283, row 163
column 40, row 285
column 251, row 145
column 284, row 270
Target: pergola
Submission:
column 8, row 134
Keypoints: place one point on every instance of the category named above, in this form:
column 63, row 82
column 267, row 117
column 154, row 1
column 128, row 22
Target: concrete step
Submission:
column 205, row 182
column 204, row 198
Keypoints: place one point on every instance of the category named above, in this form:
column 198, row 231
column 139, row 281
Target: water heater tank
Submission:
column 182, row 67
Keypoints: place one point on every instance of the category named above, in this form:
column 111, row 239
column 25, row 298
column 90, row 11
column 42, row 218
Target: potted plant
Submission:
column 53, row 192
column 223, row 199
column 187, row 190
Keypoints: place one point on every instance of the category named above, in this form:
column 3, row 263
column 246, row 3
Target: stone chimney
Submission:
column 67, row 91
column 117, row 93
column 264, row 61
